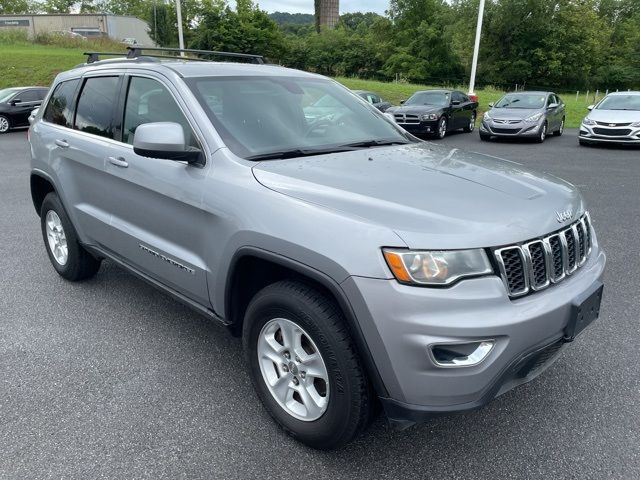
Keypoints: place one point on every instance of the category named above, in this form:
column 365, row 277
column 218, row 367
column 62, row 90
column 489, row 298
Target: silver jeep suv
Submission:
column 361, row 266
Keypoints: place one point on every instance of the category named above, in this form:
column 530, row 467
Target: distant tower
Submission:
column 327, row 13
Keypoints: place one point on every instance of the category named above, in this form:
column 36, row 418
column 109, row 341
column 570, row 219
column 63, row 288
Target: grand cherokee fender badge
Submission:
column 170, row 261
column 564, row 216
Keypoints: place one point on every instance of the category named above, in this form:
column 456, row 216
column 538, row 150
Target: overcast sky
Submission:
column 306, row 6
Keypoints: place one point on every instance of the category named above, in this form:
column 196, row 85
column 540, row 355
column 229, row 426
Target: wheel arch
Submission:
column 252, row 269
column 41, row 186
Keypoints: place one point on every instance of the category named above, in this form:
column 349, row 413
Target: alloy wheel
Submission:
column 56, row 238
column 472, row 122
column 4, row 124
column 293, row 369
column 442, row 128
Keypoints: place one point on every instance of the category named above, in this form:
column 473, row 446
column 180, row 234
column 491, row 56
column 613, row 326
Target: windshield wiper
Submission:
column 308, row 152
column 373, row 143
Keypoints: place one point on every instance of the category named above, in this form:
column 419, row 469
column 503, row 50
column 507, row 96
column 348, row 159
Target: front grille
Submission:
column 508, row 122
column 410, row 119
column 612, row 132
column 536, row 264
column 605, row 124
column 508, row 131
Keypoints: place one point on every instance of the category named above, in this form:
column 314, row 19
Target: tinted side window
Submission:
column 149, row 101
column 457, row 97
column 60, row 107
column 29, row 96
column 94, row 113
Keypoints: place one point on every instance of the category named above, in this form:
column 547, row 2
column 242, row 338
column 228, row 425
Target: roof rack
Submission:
column 138, row 52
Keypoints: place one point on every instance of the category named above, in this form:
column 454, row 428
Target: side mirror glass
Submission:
column 164, row 140
column 590, row 107
column 32, row 117
column 402, row 102
column 491, row 104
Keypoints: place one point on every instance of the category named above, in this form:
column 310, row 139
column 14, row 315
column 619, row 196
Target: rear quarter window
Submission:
column 59, row 109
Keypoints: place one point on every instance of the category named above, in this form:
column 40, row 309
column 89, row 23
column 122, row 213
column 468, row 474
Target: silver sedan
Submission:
column 532, row 115
column 615, row 119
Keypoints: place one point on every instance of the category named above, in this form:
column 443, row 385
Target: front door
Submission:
column 157, row 221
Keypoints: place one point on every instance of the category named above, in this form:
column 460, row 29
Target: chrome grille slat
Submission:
column 535, row 265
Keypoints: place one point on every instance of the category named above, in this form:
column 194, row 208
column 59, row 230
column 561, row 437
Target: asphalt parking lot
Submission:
column 112, row 379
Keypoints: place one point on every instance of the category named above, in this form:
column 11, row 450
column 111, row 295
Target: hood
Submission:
column 431, row 196
column 513, row 113
column 615, row 116
column 415, row 109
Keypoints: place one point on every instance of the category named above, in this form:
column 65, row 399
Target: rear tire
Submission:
column 5, row 124
column 472, row 123
column 560, row 131
column 67, row 256
column 290, row 309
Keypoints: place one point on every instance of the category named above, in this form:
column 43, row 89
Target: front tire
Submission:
column 585, row 143
column 542, row 134
column 67, row 256
column 484, row 137
column 442, row 128
column 304, row 366
column 5, row 124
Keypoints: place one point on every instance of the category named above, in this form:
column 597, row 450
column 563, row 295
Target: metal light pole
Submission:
column 180, row 35
column 476, row 48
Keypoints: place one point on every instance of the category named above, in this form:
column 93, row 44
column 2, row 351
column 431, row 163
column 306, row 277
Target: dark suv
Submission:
column 16, row 104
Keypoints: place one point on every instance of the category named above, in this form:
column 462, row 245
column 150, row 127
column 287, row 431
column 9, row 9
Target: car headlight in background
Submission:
column 429, row 116
column 436, row 268
column 588, row 121
column 635, row 124
column 534, row 118
column 486, row 116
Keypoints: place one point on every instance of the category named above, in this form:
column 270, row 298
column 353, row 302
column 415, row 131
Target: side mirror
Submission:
column 164, row 140
column 402, row 102
column 32, row 117
column 591, row 107
column 553, row 105
column 491, row 104
column 15, row 101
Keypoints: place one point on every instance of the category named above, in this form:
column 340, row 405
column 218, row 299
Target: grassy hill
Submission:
column 25, row 63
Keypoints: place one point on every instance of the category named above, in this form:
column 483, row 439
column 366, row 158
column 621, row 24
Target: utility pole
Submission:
column 180, row 35
column 476, row 49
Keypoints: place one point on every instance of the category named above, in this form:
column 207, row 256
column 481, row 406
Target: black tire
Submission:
column 560, row 131
column 80, row 264
column 5, row 124
column 441, row 131
column 484, row 137
column 350, row 405
column 472, row 123
column 542, row 134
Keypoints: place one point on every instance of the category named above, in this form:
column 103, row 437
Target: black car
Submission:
column 374, row 99
column 16, row 105
column 436, row 112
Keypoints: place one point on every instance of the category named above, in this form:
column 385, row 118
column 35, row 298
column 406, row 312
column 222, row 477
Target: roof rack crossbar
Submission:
column 136, row 51
column 93, row 57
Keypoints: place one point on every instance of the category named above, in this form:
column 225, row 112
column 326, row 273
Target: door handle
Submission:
column 118, row 162
column 62, row 143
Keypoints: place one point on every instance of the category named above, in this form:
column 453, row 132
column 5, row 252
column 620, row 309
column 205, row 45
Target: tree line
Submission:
column 559, row 44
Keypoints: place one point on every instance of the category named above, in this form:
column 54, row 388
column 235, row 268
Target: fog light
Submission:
column 461, row 354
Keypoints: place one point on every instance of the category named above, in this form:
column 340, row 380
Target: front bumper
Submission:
column 606, row 134
column 400, row 322
column 424, row 127
column 514, row 128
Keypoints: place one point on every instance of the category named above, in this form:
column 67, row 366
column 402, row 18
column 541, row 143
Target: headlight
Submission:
column 436, row 267
column 588, row 121
column 429, row 116
column 534, row 118
column 635, row 124
column 486, row 116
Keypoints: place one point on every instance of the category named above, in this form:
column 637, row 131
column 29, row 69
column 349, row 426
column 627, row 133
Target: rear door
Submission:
column 157, row 221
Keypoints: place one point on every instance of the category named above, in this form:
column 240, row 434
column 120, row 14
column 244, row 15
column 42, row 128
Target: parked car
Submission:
column 16, row 105
column 67, row 34
column 525, row 115
column 615, row 119
column 361, row 266
column 436, row 112
column 129, row 41
column 374, row 99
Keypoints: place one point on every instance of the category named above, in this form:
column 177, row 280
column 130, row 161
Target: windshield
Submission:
column 439, row 99
column 7, row 93
column 261, row 116
column 620, row 102
column 522, row 100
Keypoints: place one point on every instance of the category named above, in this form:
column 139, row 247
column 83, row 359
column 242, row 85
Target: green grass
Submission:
column 26, row 63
